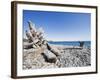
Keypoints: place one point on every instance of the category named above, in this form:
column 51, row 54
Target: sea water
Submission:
column 70, row 43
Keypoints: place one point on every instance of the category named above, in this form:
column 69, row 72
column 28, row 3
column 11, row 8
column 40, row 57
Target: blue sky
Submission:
column 60, row 26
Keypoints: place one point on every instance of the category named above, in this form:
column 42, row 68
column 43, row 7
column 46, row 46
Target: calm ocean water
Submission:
column 70, row 43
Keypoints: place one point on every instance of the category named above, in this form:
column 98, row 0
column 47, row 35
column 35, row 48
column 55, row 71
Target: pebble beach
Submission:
column 70, row 56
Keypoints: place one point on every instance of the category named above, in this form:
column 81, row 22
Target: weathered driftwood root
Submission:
column 37, row 41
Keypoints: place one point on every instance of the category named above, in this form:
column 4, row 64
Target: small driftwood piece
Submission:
column 28, row 45
column 81, row 43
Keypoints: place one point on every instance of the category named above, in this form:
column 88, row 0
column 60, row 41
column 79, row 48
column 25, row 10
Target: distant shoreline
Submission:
column 70, row 43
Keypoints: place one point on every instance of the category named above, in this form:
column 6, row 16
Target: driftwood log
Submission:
column 49, row 56
column 36, row 40
column 53, row 49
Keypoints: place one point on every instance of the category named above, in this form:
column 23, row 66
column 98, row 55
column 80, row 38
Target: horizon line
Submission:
column 68, row 40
